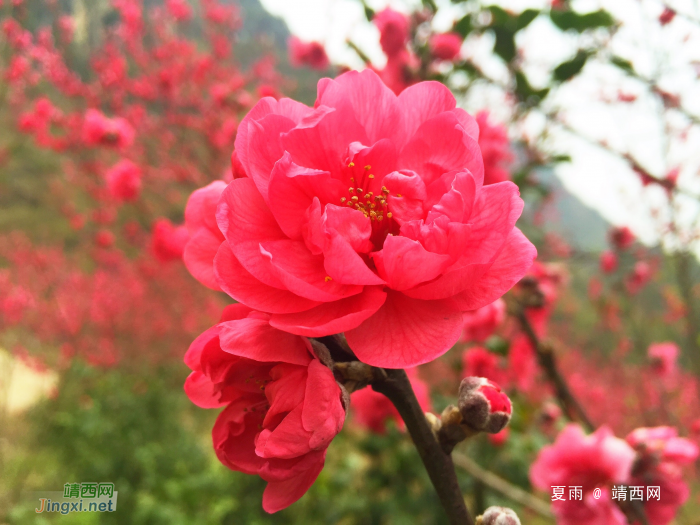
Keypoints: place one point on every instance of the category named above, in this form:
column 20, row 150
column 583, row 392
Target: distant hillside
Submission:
column 583, row 228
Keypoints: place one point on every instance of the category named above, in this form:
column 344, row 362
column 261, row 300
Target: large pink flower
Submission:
column 588, row 462
column 365, row 215
column 283, row 407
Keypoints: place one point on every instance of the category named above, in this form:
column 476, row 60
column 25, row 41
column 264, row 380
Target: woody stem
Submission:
column 439, row 465
column 546, row 359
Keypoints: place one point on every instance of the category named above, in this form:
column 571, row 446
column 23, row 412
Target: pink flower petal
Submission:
column 199, row 255
column 332, row 318
column 511, row 264
column 323, row 413
column 255, row 339
column 374, row 105
column 406, row 332
column 237, row 282
column 441, row 145
column 281, row 494
column 303, row 273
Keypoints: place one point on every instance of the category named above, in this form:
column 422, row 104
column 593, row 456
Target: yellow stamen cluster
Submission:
column 372, row 206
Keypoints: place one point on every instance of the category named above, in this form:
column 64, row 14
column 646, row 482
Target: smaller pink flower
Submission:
column 608, row 261
column 663, row 357
column 179, row 9
column 639, row 277
column 124, row 181
column 99, row 130
column 667, row 16
column 311, row 54
column 483, row 406
column 283, row 406
column 393, row 29
column 588, row 462
column 445, row 46
column 499, row 439
column 621, row 237
column 104, row 239
column 661, row 456
column 168, row 241
column 478, row 361
column 480, row 324
column 495, row 148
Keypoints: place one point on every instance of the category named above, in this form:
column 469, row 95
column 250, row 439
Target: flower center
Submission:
column 374, row 207
column 365, row 195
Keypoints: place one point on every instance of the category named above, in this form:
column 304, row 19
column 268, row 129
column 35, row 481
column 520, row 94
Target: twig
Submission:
column 547, row 361
column 501, row 485
column 439, row 465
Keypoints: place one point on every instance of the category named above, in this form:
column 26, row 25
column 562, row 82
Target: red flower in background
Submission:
column 393, row 30
column 608, row 261
column 478, row 361
column 589, row 462
column 168, row 241
column 663, row 357
column 638, row 278
column 667, row 16
column 480, row 324
column 311, row 54
column 365, row 215
column 372, row 410
column 662, row 455
column 621, row 237
column 99, row 130
column 495, row 149
column 283, row 406
column 446, row 46
column 124, row 181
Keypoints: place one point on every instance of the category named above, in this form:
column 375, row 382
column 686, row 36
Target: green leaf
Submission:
column 526, row 17
column 561, row 158
column 526, row 93
column 505, row 43
column 430, row 4
column 500, row 17
column 571, row 68
column 623, row 64
column 464, row 26
column 566, row 20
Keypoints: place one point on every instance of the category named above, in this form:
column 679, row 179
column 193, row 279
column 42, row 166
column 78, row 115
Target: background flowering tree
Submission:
column 115, row 115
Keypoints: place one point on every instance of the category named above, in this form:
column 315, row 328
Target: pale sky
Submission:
column 670, row 54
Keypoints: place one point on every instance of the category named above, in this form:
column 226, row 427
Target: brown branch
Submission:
column 439, row 465
column 499, row 484
column 547, row 361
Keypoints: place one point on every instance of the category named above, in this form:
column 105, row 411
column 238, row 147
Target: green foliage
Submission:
column 525, row 92
column 570, row 68
column 624, row 65
column 505, row 25
column 464, row 25
column 570, row 20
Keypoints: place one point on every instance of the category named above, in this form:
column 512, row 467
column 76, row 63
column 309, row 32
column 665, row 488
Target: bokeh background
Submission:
column 113, row 111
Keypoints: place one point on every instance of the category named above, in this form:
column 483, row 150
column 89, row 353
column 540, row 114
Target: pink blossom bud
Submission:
column 608, row 261
column 483, row 406
column 445, row 46
column 498, row 516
